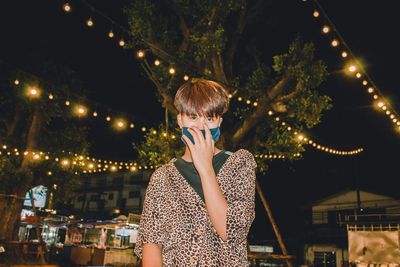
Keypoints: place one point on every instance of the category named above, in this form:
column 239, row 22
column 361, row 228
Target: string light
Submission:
column 353, row 68
column 316, row 13
column 16, row 82
column 171, row 71
column 67, row 7
column 89, row 22
column 307, row 141
column 325, row 29
column 186, row 77
column 157, row 62
column 140, row 54
column 33, row 92
column 111, row 34
column 121, row 42
column 335, row 43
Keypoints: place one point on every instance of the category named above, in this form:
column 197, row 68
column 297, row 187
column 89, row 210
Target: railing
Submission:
column 369, row 218
column 372, row 227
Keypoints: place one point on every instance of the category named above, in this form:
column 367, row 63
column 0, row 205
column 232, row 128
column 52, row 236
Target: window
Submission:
column 134, row 194
column 94, row 197
column 110, row 196
column 325, row 259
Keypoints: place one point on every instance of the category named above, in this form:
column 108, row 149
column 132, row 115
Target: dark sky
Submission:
column 113, row 77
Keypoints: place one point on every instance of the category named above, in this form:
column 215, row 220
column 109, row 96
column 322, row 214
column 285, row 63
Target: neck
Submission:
column 188, row 157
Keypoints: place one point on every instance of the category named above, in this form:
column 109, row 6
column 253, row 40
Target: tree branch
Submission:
column 265, row 102
column 168, row 102
column 218, row 67
column 294, row 93
column 183, row 26
column 233, row 43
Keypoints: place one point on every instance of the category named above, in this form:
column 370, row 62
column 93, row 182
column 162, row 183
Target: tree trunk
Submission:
column 10, row 207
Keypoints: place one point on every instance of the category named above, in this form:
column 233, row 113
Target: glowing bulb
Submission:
column 33, row 92
column 230, row 95
column 65, row 162
column 344, row 54
column 300, row 137
column 171, row 71
column 67, row 103
column 143, row 129
column 111, row 34
column 325, row 29
column 16, row 82
column 186, row 77
column 108, row 118
column 95, row 114
column 67, row 7
column 89, row 22
column 248, row 102
column 132, row 125
column 270, row 113
column 358, row 75
column 154, row 132
column 335, row 43
column 120, row 124
column 140, row 54
column 240, row 98
column 121, row 42
column 316, row 14
column 80, row 110
column 375, row 96
column 36, row 156
column 255, row 104
column 365, row 82
column 49, row 173
column 51, row 96
column 352, row 68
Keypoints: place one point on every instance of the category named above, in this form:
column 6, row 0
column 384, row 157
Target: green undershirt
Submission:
column 189, row 172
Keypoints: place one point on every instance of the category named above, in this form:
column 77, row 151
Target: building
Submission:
column 335, row 218
column 105, row 196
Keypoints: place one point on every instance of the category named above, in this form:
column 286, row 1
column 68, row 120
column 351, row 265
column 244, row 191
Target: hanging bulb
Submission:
column 89, row 22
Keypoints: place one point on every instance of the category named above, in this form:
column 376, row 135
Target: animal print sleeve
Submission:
column 241, row 206
column 151, row 220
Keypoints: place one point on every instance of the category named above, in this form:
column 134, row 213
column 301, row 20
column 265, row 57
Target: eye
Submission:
column 193, row 117
column 211, row 118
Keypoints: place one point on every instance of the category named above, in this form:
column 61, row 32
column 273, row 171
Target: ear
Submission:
column 220, row 122
column 179, row 120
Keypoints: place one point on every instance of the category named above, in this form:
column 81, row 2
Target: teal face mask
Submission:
column 215, row 133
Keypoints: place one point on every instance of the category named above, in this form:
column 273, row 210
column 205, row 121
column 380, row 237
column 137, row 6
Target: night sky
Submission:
column 113, row 77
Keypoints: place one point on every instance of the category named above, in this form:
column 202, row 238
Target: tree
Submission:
column 202, row 39
column 35, row 125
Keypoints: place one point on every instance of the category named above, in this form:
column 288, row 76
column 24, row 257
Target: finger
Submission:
column 208, row 136
column 197, row 135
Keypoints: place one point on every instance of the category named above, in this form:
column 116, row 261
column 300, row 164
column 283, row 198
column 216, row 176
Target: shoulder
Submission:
column 245, row 156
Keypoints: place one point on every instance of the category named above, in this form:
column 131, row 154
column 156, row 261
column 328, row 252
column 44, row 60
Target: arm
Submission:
column 151, row 230
column 216, row 204
column 151, row 255
column 202, row 152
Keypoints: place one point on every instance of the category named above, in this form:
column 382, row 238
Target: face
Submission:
column 198, row 121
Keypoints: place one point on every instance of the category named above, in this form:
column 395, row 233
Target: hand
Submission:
column 202, row 151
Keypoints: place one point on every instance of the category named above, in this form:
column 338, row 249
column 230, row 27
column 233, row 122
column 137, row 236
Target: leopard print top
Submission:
column 175, row 216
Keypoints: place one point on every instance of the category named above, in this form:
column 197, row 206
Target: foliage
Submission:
column 205, row 39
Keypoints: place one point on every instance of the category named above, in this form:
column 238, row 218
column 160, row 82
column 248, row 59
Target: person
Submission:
column 198, row 209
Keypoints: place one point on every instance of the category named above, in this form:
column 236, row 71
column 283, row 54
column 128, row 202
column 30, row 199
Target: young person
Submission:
column 198, row 208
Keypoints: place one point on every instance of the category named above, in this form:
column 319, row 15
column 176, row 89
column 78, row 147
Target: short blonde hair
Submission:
column 201, row 97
